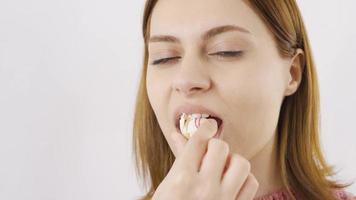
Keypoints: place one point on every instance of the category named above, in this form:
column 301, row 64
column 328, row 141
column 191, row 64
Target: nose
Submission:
column 192, row 76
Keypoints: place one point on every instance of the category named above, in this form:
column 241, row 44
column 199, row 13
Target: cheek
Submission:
column 157, row 95
column 254, row 97
column 154, row 88
column 151, row 90
column 254, row 86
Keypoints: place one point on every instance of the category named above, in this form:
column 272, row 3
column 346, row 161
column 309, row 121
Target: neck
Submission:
column 265, row 167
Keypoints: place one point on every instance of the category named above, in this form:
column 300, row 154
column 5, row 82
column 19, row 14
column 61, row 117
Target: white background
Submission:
column 69, row 72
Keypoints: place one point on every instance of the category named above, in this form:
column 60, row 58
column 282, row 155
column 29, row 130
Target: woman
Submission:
column 247, row 64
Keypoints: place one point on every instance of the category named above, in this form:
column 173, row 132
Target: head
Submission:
column 244, row 88
column 247, row 61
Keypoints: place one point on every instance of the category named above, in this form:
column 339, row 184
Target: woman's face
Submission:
column 245, row 89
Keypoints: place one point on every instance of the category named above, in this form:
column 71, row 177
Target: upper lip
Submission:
column 190, row 109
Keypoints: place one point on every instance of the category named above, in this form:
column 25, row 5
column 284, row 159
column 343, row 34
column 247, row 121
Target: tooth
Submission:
column 205, row 115
column 196, row 115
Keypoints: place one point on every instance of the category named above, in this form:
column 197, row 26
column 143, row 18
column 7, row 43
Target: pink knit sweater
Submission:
column 282, row 194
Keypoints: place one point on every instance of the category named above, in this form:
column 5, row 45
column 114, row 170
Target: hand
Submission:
column 204, row 169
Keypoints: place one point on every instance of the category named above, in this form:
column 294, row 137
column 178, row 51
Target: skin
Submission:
column 246, row 90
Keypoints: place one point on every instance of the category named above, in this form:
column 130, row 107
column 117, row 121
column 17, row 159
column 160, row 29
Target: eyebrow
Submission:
column 206, row 36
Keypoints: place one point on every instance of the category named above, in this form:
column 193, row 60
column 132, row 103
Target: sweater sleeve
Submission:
column 344, row 195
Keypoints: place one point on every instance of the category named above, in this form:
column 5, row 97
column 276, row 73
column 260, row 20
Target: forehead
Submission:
column 189, row 18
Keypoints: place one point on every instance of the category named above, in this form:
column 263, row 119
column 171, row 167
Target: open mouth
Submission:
column 217, row 119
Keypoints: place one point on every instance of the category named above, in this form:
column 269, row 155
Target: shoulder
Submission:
column 282, row 194
column 342, row 194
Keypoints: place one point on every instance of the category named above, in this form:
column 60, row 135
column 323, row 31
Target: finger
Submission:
column 227, row 164
column 177, row 142
column 236, row 174
column 194, row 150
column 214, row 161
column 249, row 188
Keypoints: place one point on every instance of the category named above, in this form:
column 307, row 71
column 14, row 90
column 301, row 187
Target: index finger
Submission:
column 194, row 150
column 177, row 142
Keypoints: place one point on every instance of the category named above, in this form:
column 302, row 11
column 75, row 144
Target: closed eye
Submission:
column 227, row 54
column 163, row 60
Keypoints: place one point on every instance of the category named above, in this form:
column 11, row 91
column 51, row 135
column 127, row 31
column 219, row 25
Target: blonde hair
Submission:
column 302, row 165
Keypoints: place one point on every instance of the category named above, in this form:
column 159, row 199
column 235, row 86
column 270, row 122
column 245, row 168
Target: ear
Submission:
column 296, row 69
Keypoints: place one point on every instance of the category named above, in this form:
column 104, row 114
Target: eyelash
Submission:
column 219, row 54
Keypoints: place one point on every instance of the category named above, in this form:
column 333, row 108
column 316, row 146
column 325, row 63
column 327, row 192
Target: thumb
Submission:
column 177, row 142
